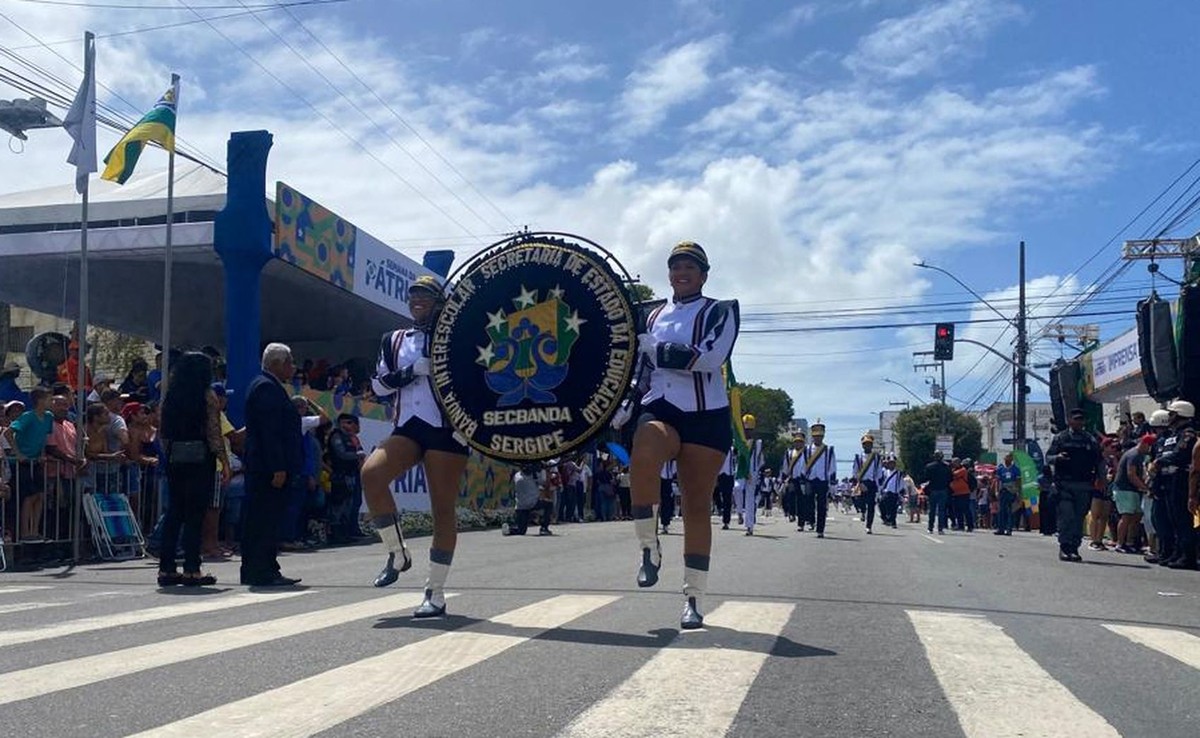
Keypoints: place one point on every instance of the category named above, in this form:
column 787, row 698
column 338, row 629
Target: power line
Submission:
column 892, row 326
column 129, row 6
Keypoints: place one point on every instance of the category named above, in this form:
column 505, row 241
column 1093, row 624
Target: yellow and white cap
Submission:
column 428, row 285
column 690, row 250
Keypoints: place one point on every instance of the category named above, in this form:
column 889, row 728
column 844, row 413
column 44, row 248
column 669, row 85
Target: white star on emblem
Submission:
column 574, row 322
column 496, row 320
column 527, row 298
column 486, row 354
column 557, row 292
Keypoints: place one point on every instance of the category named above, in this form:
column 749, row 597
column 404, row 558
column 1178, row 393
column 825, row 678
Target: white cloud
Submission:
column 924, row 40
column 673, row 78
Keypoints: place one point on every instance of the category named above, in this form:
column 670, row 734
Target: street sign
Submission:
column 945, row 444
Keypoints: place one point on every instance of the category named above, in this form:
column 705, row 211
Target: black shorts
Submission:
column 708, row 428
column 429, row 438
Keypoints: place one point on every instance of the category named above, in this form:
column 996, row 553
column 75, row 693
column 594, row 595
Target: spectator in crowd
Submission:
column 1102, row 497
column 100, row 384
column 210, row 539
column 528, row 500
column 1139, row 426
column 960, row 497
column 141, row 434
column 623, row 494
column 64, row 467
column 68, row 371
column 135, row 384
column 28, row 435
column 586, row 489
column 604, row 493
column 104, row 466
column 346, row 456
column 154, row 378
column 912, row 499
column 118, row 430
column 191, row 432
column 937, row 491
column 1008, row 489
column 9, row 390
column 1128, row 487
column 273, row 456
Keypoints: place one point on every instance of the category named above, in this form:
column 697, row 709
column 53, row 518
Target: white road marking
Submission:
column 931, row 538
column 980, row 668
column 194, row 606
column 15, row 590
column 43, row 680
column 1177, row 644
column 325, row 700
column 24, row 606
column 685, row 691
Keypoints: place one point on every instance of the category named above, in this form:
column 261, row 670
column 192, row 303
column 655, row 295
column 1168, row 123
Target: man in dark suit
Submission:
column 274, row 455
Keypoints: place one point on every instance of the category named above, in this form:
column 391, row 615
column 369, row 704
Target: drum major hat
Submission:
column 427, row 285
column 689, row 250
column 748, row 421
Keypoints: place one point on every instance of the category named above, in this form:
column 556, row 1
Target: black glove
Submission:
column 397, row 379
column 674, row 355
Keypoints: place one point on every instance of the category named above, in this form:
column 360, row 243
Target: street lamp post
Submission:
column 906, row 389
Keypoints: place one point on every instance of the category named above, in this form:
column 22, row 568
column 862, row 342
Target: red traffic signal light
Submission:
column 943, row 342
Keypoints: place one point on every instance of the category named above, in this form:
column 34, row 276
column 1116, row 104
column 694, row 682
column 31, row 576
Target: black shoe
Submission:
column 1076, row 557
column 1065, row 556
column 725, row 526
column 169, row 578
column 665, row 531
column 278, row 581
column 1150, row 559
column 800, row 529
column 820, row 535
column 545, row 532
column 997, row 532
column 691, row 619
column 198, row 580
column 647, row 575
column 427, row 609
column 1185, row 564
column 389, row 573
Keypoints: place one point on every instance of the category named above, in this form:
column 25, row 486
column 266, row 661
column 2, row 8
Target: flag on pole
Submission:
column 158, row 125
column 740, row 443
column 81, row 118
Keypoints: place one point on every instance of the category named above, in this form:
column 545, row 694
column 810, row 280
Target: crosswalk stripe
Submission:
column 983, row 672
column 686, row 691
column 42, row 680
column 1177, row 644
column 15, row 590
column 330, row 698
column 134, row 617
column 24, row 606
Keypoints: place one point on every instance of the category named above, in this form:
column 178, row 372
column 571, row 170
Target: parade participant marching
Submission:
column 684, row 417
column 725, row 487
column 868, row 475
column 745, row 488
column 421, row 435
column 820, row 473
column 1078, row 467
column 793, row 475
column 890, row 489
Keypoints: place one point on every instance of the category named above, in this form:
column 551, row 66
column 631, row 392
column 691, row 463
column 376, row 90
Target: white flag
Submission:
column 81, row 118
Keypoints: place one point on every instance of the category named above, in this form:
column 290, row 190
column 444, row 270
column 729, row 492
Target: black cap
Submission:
column 1076, row 413
column 690, row 250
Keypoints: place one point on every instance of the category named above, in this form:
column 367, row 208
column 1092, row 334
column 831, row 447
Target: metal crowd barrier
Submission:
column 39, row 522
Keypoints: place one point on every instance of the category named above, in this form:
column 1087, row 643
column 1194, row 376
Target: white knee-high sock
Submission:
column 439, row 570
column 389, row 531
column 695, row 576
column 645, row 525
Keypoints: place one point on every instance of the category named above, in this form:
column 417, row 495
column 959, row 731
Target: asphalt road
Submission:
column 893, row 634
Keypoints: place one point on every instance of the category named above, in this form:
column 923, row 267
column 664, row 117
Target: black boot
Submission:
column 427, row 608
column 691, row 619
column 647, row 575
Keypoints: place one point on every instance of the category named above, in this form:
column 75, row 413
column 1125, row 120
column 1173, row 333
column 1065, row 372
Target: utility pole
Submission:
column 1022, row 354
column 940, row 390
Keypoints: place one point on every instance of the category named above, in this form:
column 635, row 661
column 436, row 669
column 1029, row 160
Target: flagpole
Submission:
column 166, row 324
column 82, row 389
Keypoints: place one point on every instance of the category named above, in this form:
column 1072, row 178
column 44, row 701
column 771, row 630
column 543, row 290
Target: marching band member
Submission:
column 820, row 471
column 745, row 489
column 421, row 434
column 794, row 483
column 868, row 474
column 684, row 417
column 725, row 487
column 890, row 491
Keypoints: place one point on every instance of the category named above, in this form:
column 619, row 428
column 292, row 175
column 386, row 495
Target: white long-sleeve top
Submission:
column 823, row 469
column 893, row 482
column 399, row 350
column 756, row 461
column 692, row 339
column 874, row 470
column 729, row 467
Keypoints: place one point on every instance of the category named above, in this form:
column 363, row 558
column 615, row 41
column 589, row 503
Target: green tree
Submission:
column 642, row 292
column 115, row 352
column 772, row 410
column 916, row 431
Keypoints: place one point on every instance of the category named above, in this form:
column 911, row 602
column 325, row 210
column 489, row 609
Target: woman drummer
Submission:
column 684, row 417
column 421, row 435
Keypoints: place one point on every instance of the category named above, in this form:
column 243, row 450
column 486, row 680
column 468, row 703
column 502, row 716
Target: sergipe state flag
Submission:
column 158, row 125
column 740, row 443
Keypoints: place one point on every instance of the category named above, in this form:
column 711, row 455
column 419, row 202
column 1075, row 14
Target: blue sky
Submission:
column 816, row 149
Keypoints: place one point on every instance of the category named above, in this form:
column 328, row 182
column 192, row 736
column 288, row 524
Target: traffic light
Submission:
column 943, row 342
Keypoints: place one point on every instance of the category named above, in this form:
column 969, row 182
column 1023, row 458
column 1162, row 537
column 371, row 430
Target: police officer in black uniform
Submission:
column 1171, row 468
column 1077, row 465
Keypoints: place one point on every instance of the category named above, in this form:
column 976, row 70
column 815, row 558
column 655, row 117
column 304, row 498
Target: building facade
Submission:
column 997, row 423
